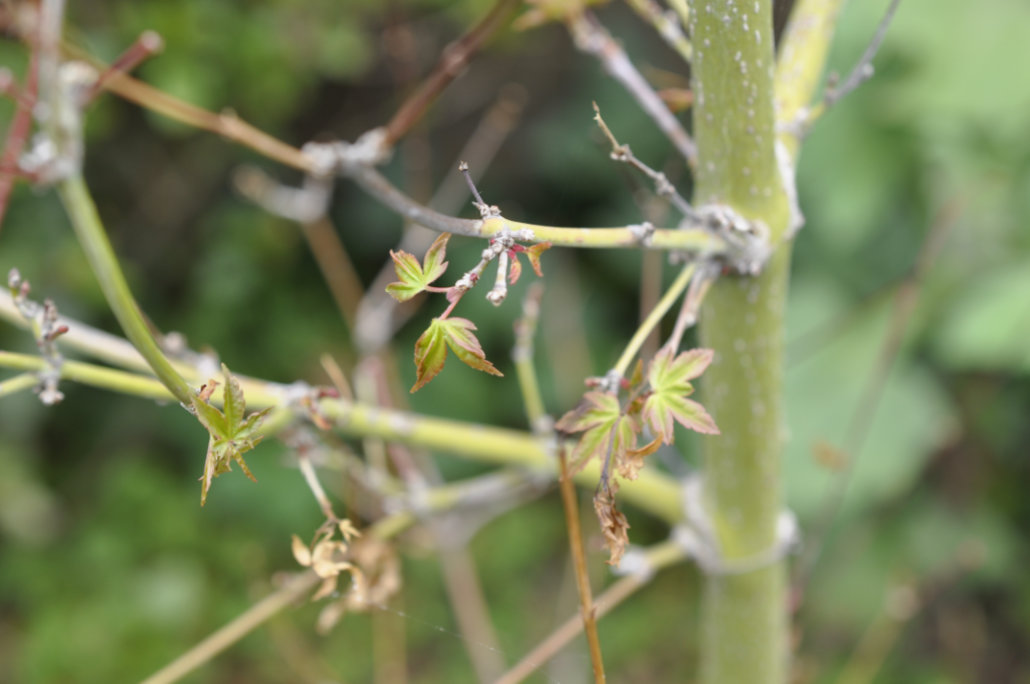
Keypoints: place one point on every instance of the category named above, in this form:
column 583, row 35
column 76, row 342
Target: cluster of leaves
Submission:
column 231, row 432
column 372, row 564
column 610, row 429
column 445, row 332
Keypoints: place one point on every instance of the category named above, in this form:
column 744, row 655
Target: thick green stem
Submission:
column 90, row 231
column 745, row 614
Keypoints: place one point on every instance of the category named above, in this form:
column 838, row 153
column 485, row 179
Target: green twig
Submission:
column 654, row 318
column 20, row 382
column 522, row 356
column 89, row 374
column 102, row 260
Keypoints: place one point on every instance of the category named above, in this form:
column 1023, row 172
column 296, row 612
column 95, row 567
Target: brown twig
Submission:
column 450, row 65
column 591, row 37
column 586, row 605
column 663, row 187
column 147, row 45
column 657, row 557
column 225, row 124
column 228, row 635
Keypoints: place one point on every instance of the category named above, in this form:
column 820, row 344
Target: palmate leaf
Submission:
column 413, row 277
column 596, row 416
column 532, row 253
column 443, row 334
column 607, row 430
column 231, row 433
column 669, row 379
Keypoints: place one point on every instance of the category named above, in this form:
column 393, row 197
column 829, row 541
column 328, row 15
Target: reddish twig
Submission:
column 147, row 45
column 18, row 133
column 450, row 65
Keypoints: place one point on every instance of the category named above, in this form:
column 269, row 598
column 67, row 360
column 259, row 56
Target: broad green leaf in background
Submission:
column 824, row 385
column 987, row 327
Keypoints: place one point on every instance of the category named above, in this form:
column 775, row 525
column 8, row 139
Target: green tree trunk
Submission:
column 744, row 615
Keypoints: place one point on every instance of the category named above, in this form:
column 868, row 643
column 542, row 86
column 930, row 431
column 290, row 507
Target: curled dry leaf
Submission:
column 614, row 526
column 375, row 578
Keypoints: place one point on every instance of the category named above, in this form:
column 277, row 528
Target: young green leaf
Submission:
column 231, row 433
column 669, row 380
column 414, row 278
column 443, row 334
column 430, row 353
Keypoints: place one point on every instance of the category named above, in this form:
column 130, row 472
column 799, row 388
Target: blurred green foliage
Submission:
column 109, row 569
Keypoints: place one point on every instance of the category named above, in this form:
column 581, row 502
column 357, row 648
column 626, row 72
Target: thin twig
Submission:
column 452, row 62
column 862, row 71
column 662, row 186
column 19, row 383
column 656, row 558
column 522, row 356
column 667, row 25
column 18, row 133
column 652, row 491
column 238, row 628
column 438, row 499
column 233, row 128
column 379, row 315
column 699, row 285
column 699, row 240
column 464, row 590
column 591, row 37
column 579, row 562
column 147, row 45
column 654, row 318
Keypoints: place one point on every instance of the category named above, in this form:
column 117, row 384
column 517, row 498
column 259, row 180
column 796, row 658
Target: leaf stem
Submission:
column 654, row 318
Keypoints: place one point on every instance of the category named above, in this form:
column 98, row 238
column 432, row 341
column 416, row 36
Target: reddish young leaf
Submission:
column 533, row 253
column 515, row 270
